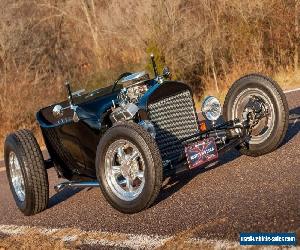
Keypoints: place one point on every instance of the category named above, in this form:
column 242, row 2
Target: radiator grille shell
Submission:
column 174, row 118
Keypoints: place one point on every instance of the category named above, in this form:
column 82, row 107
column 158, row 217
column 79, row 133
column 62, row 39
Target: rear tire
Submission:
column 115, row 186
column 26, row 172
column 276, row 123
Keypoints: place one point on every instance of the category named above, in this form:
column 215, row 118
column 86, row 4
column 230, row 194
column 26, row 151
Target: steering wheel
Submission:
column 119, row 78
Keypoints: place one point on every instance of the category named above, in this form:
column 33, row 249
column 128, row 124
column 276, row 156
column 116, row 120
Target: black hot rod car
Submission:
column 128, row 137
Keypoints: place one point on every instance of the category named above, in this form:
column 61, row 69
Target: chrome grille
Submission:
column 174, row 118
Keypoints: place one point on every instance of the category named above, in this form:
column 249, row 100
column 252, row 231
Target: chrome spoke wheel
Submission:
column 16, row 176
column 124, row 170
column 264, row 127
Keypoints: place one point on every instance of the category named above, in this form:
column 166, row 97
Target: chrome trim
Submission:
column 133, row 76
column 124, row 113
column 78, row 93
column 73, row 184
column 58, row 111
column 16, row 175
column 211, row 108
column 264, row 128
column 125, row 170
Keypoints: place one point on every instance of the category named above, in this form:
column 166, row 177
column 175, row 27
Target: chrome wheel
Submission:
column 125, row 170
column 264, row 127
column 16, row 176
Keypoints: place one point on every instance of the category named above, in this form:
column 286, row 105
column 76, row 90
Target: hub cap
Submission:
column 124, row 170
column 264, row 126
column 16, row 176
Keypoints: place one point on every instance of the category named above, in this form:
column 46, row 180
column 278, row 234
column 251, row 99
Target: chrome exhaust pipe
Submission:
column 73, row 184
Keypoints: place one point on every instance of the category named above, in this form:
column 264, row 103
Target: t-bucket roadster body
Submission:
column 130, row 136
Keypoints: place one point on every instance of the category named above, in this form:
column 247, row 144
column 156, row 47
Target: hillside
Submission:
column 207, row 43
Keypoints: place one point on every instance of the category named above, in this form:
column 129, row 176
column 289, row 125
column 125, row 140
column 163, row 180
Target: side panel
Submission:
column 72, row 145
column 64, row 148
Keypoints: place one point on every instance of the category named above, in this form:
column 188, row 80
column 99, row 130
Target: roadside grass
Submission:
column 288, row 79
column 33, row 240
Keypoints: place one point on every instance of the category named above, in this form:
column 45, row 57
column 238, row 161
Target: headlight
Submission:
column 211, row 108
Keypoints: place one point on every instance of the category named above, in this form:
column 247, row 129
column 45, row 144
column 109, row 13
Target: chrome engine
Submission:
column 134, row 86
column 134, row 93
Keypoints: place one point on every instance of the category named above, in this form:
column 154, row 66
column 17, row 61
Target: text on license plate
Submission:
column 201, row 152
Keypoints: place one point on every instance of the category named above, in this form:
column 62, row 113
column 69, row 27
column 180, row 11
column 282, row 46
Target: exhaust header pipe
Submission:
column 74, row 184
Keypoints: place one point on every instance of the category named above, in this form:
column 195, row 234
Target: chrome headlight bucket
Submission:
column 211, row 108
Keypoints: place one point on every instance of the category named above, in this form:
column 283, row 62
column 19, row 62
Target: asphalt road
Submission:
column 240, row 194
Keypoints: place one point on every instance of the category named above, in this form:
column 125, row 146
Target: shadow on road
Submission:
column 177, row 182
column 294, row 124
column 62, row 196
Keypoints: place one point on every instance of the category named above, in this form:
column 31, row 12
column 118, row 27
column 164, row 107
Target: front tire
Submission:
column 270, row 131
column 129, row 167
column 26, row 172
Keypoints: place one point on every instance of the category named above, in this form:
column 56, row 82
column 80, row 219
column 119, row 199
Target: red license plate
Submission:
column 201, row 152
